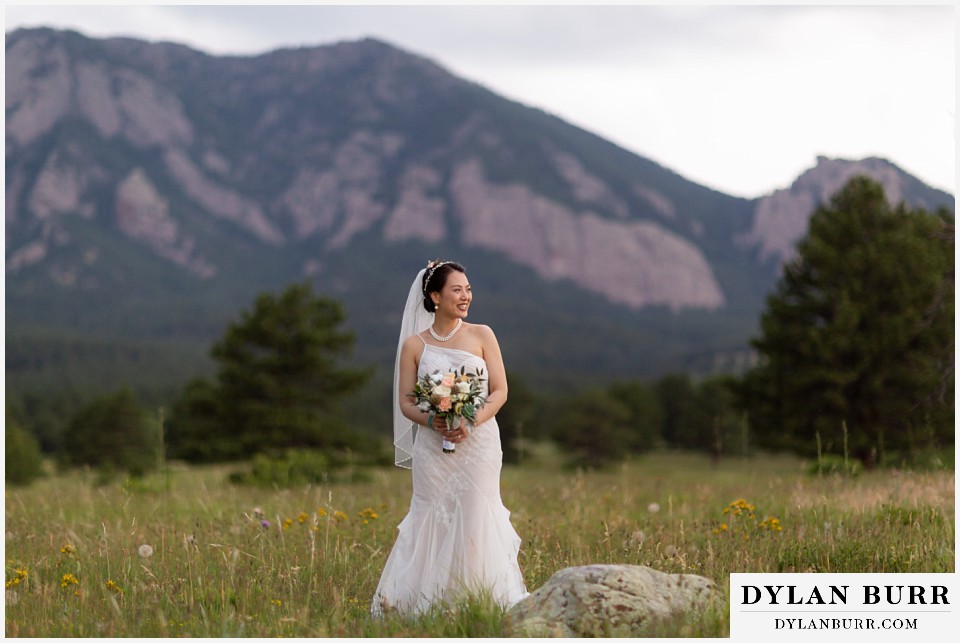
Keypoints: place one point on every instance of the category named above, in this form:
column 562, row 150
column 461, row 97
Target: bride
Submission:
column 456, row 540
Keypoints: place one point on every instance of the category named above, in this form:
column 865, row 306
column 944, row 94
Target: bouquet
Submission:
column 451, row 396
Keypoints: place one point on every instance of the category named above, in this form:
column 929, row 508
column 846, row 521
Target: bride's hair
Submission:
column 435, row 278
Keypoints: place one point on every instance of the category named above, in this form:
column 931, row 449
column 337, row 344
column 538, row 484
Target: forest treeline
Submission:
column 854, row 364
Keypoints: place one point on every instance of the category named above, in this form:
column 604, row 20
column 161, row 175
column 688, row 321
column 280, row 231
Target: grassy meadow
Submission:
column 189, row 554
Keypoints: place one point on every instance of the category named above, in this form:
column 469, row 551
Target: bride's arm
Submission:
column 407, row 377
column 496, row 375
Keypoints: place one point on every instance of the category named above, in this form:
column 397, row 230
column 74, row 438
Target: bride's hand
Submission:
column 456, row 435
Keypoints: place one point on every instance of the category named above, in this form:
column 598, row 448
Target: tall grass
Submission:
column 222, row 560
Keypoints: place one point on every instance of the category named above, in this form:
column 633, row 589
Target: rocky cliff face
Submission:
column 636, row 263
column 780, row 219
column 73, row 103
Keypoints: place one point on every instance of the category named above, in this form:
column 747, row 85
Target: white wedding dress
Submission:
column 457, row 538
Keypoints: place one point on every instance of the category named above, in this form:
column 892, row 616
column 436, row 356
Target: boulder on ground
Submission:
column 605, row 600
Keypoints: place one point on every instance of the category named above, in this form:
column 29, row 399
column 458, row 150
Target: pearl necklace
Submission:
column 446, row 338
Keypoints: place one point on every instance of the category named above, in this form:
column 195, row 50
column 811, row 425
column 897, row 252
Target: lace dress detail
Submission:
column 457, row 537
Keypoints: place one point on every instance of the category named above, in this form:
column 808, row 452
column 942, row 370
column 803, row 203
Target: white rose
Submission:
column 441, row 391
column 463, row 387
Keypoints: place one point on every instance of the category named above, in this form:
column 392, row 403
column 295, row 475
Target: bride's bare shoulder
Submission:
column 482, row 331
column 412, row 344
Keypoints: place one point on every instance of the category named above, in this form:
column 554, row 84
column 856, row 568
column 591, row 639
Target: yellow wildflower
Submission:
column 19, row 575
column 68, row 579
column 740, row 507
column 367, row 515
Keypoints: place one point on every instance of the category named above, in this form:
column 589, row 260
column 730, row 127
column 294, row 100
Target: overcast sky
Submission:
column 739, row 98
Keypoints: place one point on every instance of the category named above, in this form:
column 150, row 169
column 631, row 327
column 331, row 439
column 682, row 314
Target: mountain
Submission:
column 780, row 219
column 153, row 190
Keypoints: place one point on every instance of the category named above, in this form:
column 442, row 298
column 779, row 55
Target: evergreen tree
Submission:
column 594, row 428
column 710, row 423
column 856, row 344
column 698, row 416
column 22, row 460
column 676, row 395
column 517, row 419
column 600, row 426
column 195, row 431
column 646, row 416
column 112, row 432
column 278, row 382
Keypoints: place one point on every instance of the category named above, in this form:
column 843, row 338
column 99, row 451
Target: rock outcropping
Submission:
column 606, row 600
column 780, row 219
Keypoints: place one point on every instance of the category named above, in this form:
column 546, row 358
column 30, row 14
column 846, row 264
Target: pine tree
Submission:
column 278, row 382
column 856, row 345
column 23, row 462
column 112, row 432
column 594, row 428
column 604, row 425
